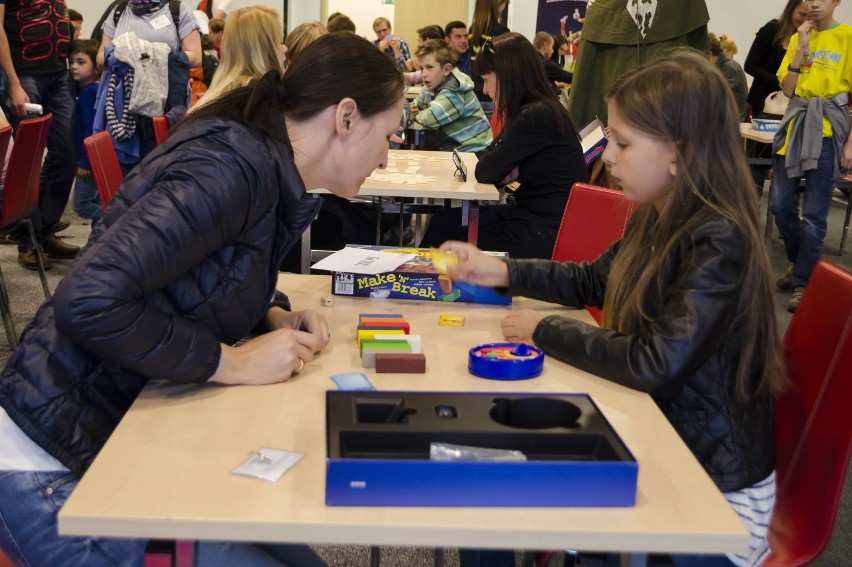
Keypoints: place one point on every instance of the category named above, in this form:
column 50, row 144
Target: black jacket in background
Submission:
column 687, row 359
column 548, row 155
column 762, row 62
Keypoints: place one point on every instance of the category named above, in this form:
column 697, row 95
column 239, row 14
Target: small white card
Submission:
column 268, row 464
column 160, row 22
column 362, row 261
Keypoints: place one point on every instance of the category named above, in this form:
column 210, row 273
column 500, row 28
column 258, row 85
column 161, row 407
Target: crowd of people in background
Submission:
column 276, row 114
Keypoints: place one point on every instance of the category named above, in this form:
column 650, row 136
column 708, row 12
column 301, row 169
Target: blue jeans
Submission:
column 54, row 92
column 803, row 236
column 30, row 501
column 87, row 202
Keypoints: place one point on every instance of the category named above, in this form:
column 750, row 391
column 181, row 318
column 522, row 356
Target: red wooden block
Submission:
column 388, row 324
column 401, row 363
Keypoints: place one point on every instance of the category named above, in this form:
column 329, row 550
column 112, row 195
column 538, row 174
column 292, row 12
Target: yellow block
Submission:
column 371, row 334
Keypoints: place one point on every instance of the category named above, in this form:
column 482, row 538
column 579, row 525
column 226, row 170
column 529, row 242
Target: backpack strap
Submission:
column 118, row 11
column 174, row 7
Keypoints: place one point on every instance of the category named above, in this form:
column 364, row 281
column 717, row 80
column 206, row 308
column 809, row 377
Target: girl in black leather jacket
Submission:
column 688, row 308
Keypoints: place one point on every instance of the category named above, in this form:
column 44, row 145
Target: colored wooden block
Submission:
column 368, row 353
column 365, row 334
column 413, row 363
column 363, row 316
column 414, row 341
column 392, row 323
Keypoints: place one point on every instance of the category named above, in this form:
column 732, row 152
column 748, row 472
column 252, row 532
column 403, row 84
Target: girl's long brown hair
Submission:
column 785, row 21
column 683, row 99
column 484, row 14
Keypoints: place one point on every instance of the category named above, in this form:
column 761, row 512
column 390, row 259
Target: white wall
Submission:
column 302, row 11
column 362, row 13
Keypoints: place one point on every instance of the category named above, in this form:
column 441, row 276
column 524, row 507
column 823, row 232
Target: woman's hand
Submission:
column 270, row 358
column 475, row 267
column 308, row 321
column 519, row 326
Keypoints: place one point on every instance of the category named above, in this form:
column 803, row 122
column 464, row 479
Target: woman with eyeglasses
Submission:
column 538, row 150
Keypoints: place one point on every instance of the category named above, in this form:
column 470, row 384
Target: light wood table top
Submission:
column 165, row 472
column 446, row 185
column 748, row 132
column 413, row 92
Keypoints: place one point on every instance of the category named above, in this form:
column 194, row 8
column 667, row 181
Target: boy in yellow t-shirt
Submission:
column 813, row 140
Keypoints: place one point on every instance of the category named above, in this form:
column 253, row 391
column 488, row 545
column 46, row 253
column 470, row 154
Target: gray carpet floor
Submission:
column 26, row 295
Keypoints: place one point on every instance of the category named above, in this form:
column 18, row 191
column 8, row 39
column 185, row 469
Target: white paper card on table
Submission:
column 362, row 261
column 268, row 464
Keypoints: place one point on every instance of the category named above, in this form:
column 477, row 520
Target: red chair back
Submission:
column 594, row 218
column 161, row 129
column 5, row 136
column 20, row 195
column 813, row 422
column 105, row 167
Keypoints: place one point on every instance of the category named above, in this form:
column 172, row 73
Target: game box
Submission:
column 378, row 451
column 415, row 279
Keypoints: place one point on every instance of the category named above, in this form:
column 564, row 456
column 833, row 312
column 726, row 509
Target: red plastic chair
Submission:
column 5, row 137
column 20, row 199
column 105, row 167
column 161, row 129
column 594, row 218
column 813, row 422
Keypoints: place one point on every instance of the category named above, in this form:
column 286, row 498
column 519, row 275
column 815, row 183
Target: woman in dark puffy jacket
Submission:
column 182, row 266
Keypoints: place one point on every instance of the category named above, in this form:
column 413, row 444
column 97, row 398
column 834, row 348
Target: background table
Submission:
column 165, row 472
column 446, row 185
column 748, row 132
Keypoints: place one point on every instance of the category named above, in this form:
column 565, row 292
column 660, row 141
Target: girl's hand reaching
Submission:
column 519, row 326
column 475, row 267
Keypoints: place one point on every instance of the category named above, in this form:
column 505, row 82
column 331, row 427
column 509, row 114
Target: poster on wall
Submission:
column 561, row 16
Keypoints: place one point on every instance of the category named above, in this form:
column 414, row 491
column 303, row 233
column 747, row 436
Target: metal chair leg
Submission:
column 845, row 225
column 41, row 273
column 6, row 313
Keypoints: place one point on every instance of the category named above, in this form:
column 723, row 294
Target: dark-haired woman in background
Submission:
column 226, row 196
column 762, row 62
column 486, row 25
column 767, row 51
column 560, row 50
column 537, row 147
